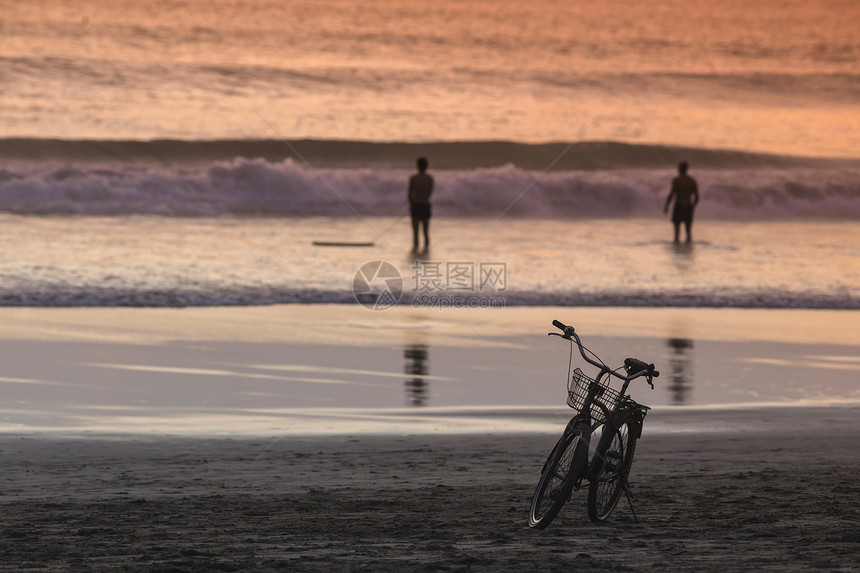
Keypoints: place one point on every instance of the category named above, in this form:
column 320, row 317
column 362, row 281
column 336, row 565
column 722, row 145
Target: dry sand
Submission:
column 782, row 497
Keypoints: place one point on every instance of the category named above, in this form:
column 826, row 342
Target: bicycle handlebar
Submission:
column 633, row 366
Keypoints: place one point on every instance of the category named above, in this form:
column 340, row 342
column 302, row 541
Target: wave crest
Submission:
column 256, row 187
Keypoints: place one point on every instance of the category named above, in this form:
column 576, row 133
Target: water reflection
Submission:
column 681, row 366
column 682, row 257
column 417, row 369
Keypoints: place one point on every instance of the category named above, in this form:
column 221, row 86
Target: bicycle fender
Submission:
column 636, row 417
column 579, row 423
column 571, row 427
column 638, row 420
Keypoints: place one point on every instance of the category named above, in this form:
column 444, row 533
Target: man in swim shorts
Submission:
column 420, row 189
column 685, row 192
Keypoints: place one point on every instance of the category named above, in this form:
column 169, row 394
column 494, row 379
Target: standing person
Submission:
column 685, row 192
column 420, row 189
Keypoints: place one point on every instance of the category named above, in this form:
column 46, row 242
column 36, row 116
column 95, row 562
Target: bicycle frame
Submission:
column 604, row 371
column 646, row 370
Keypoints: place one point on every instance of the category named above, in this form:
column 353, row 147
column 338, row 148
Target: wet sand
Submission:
column 335, row 369
column 782, row 497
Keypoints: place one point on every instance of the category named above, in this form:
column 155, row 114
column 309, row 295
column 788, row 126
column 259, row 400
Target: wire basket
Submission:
column 578, row 389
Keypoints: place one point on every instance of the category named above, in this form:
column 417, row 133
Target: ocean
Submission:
column 779, row 76
column 182, row 154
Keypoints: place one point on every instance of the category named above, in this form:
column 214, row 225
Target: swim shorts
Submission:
column 420, row 211
column 682, row 213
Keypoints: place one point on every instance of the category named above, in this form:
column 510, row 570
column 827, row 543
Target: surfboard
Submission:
column 340, row 244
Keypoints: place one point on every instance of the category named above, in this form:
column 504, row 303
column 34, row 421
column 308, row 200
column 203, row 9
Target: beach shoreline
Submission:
column 217, row 475
column 204, row 221
column 336, row 369
column 781, row 498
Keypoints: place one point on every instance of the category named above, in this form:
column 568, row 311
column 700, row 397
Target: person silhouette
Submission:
column 685, row 192
column 420, row 189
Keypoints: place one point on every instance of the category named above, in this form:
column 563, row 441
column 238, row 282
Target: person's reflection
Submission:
column 680, row 363
column 416, row 368
column 682, row 257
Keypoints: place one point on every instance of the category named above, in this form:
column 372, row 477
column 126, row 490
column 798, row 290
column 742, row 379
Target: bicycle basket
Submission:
column 579, row 387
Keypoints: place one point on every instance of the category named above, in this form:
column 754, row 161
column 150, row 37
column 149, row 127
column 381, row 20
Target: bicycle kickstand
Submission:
column 629, row 495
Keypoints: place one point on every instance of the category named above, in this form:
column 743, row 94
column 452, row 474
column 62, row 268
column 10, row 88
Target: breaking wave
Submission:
column 288, row 187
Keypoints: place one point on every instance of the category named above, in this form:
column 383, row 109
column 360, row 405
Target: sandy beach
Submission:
column 222, row 474
column 781, row 498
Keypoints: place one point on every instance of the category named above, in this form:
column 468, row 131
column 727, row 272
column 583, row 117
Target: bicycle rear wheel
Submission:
column 610, row 467
column 562, row 471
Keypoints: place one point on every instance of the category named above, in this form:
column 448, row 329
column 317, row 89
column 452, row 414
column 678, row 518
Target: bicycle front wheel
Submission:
column 610, row 468
column 562, row 471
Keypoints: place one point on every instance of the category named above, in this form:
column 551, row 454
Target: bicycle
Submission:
column 603, row 411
